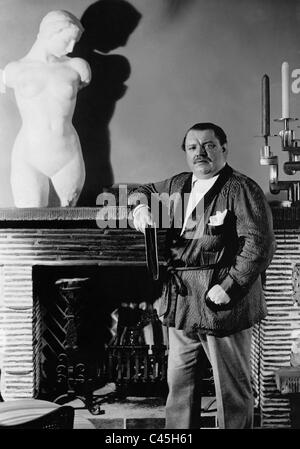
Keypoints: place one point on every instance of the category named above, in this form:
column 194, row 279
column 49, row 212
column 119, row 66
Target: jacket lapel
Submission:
column 185, row 191
column 224, row 174
column 185, row 195
column 198, row 214
column 180, row 207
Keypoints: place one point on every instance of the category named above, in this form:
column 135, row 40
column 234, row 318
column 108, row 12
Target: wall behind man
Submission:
column 191, row 60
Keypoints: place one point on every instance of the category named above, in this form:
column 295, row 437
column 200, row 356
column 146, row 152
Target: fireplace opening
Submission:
column 95, row 324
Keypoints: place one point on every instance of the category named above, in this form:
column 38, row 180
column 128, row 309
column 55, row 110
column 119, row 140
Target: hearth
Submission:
column 78, row 347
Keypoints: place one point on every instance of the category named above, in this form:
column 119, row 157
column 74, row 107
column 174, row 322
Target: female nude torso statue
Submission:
column 46, row 83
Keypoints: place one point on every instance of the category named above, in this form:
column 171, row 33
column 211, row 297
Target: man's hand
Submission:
column 142, row 217
column 217, row 295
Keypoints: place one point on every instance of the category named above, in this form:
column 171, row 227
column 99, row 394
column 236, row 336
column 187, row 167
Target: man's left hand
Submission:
column 217, row 295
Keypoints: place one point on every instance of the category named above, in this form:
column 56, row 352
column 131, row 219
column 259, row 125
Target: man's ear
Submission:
column 224, row 147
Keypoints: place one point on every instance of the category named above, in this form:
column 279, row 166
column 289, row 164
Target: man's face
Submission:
column 204, row 154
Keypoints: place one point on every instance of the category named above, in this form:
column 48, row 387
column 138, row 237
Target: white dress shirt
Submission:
column 199, row 188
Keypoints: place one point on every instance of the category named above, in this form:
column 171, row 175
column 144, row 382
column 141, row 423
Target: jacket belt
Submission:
column 180, row 288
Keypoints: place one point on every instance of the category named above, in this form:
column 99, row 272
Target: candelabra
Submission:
column 289, row 143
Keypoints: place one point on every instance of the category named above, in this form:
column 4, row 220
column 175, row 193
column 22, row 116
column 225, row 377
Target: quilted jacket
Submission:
column 233, row 254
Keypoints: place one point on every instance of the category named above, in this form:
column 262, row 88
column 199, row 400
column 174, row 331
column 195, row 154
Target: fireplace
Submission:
column 31, row 238
column 39, row 247
column 88, row 322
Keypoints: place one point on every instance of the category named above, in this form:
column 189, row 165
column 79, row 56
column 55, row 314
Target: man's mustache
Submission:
column 200, row 159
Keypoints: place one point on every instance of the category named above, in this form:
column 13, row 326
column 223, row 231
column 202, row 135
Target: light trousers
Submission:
column 230, row 360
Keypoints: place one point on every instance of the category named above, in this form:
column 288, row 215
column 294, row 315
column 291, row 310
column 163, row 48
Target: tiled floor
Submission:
column 132, row 412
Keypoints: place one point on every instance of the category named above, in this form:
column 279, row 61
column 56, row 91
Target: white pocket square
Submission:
column 218, row 218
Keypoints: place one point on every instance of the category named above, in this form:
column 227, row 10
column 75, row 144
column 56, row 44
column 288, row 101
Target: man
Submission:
column 213, row 292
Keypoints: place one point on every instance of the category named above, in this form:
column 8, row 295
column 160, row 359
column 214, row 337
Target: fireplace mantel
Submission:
column 48, row 213
column 59, row 217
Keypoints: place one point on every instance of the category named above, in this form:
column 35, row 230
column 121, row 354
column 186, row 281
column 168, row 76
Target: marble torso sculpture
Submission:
column 46, row 82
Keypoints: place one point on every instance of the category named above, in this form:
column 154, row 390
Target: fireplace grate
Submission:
column 138, row 370
column 136, row 367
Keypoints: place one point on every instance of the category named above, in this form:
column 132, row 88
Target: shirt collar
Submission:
column 204, row 181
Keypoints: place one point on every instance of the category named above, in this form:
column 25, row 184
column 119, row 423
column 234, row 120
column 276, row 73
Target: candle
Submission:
column 285, row 90
column 265, row 88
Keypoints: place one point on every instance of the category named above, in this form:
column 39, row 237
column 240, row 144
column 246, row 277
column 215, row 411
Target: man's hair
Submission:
column 220, row 134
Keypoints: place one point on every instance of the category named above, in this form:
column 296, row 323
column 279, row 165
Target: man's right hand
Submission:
column 142, row 217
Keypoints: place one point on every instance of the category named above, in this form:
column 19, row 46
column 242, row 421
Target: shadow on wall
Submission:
column 108, row 25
